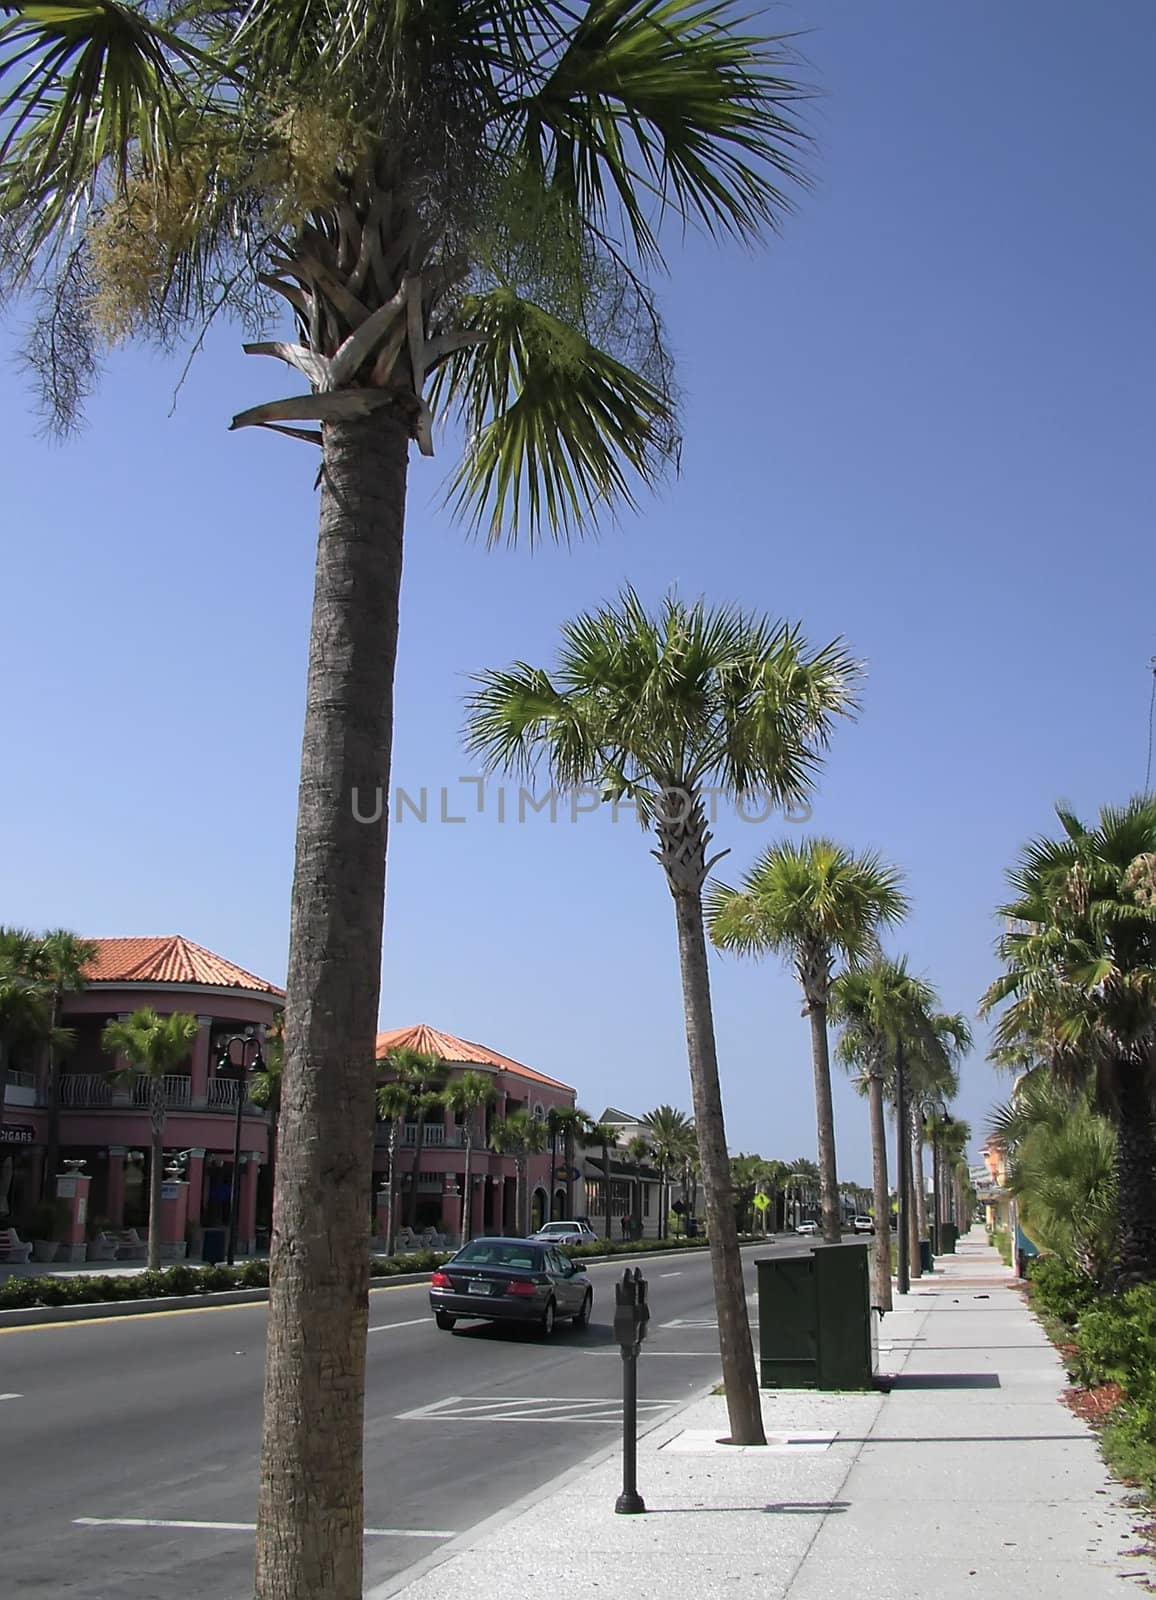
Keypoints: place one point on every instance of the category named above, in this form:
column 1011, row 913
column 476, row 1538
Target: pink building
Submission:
column 104, row 1120
column 442, row 1165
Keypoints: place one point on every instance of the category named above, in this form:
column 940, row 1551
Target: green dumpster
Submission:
column 926, row 1264
column 948, row 1236
column 816, row 1326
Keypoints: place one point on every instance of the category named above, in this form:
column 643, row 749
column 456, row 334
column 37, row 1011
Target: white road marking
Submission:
column 670, row 1274
column 11, row 1397
column 384, row 1327
column 528, row 1408
column 245, row 1527
column 648, row 1352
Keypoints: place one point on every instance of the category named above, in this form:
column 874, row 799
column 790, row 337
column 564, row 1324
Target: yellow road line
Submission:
column 183, row 1311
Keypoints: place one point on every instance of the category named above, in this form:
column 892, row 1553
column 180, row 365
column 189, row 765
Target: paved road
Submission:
column 157, row 1418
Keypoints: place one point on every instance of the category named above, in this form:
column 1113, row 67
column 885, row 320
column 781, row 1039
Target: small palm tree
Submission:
column 651, row 709
column 811, row 902
column 59, row 961
column 670, row 1133
column 570, row 1122
column 520, row 1135
column 605, row 1136
column 1061, row 1154
column 1079, row 988
column 466, row 1096
column 424, row 1078
column 28, row 1008
column 395, row 1106
column 637, row 1152
column 265, row 1085
column 155, row 1046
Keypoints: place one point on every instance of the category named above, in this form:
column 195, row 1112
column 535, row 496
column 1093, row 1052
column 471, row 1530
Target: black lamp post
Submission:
column 243, row 1053
column 935, row 1106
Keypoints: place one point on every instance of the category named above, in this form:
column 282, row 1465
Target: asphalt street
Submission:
column 113, row 1433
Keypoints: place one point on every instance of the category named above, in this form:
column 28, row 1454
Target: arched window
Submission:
column 539, row 1114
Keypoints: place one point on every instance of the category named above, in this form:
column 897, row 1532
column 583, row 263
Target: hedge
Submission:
column 185, row 1280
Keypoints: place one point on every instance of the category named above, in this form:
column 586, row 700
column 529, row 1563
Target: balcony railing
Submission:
column 85, row 1089
column 176, row 1087
column 19, row 1079
column 435, row 1134
column 223, row 1094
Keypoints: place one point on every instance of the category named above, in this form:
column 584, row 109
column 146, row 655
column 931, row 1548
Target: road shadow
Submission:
column 595, row 1336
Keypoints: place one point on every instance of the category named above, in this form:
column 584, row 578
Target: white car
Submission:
column 564, row 1233
column 863, row 1224
column 807, row 1227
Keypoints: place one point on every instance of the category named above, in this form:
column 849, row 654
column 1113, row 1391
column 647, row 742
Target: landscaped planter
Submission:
column 44, row 1250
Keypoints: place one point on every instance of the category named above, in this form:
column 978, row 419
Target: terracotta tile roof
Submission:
column 448, row 1047
column 170, row 959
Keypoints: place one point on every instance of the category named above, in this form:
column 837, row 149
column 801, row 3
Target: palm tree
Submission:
column 520, row 1135
column 58, row 961
column 637, row 1152
column 460, row 207
column 569, row 1121
column 935, row 1063
column 25, row 1001
column 670, row 1132
column 773, row 1182
column 804, row 1181
column 155, row 1046
column 811, row 902
column 1079, row 987
column 265, row 1085
column 466, row 1096
column 651, row 710
column 1061, row 1156
column 869, row 1005
column 605, row 1136
column 424, row 1078
column 395, row 1106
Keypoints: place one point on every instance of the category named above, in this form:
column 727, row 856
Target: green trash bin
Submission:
column 926, row 1264
column 215, row 1246
column 948, row 1237
column 817, row 1329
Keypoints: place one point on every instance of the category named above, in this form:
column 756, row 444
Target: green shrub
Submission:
column 1129, row 1443
column 1117, row 1344
column 1061, row 1289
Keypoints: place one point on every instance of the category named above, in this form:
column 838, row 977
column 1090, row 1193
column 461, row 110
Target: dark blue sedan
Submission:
column 511, row 1280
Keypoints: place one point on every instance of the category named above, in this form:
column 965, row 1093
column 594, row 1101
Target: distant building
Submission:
column 493, row 1178
column 635, row 1189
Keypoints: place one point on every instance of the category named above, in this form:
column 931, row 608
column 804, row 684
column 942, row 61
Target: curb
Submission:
column 98, row 1310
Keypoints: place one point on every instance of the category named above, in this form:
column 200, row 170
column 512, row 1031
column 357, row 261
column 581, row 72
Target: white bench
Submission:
column 103, row 1247
column 12, row 1247
column 129, row 1244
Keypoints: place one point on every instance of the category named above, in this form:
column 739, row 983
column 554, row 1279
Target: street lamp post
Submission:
column 242, row 1051
column 903, row 1175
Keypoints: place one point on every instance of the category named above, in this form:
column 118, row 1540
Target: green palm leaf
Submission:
column 555, row 426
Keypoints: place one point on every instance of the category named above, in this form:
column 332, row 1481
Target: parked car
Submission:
column 563, row 1233
column 863, row 1224
column 806, row 1227
column 511, row 1280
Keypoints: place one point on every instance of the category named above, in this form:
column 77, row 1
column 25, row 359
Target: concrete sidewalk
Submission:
column 970, row 1477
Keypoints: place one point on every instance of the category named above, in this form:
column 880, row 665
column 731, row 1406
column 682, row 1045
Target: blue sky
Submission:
column 921, row 419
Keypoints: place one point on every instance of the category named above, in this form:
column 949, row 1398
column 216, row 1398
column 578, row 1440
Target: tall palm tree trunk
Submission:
column 467, row 1198
column 920, row 1174
column 391, row 1216
column 825, row 1122
column 902, row 1184
column 737, row 1351
column 606, row 1219
column 310, row 1515
column 156, row 1170
column 881, row 1197
column 569, row 1138
column 1135, row 1179
column 914, row 1263
column 415, row 1171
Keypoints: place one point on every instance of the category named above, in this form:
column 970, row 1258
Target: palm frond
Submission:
column 555, row 427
